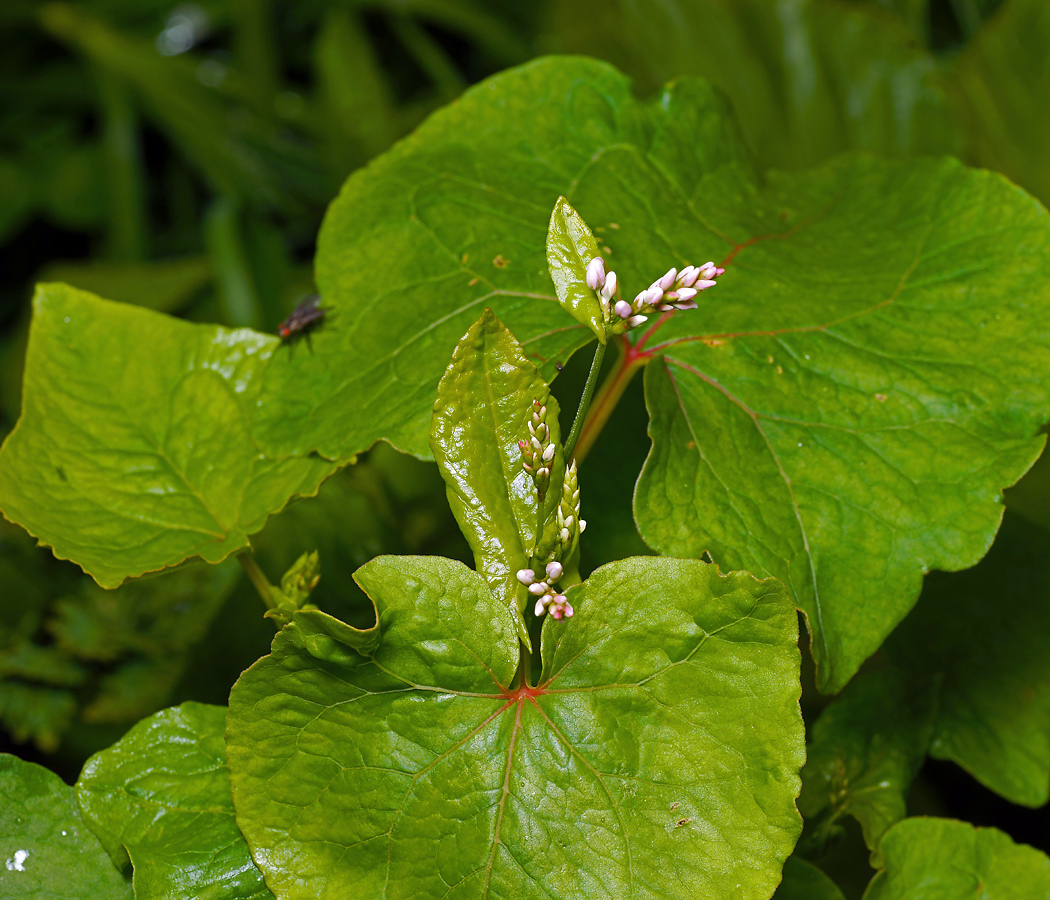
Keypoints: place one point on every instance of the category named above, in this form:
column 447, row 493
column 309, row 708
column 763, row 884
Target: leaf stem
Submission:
column 585, row 400
column 525, row 666
column 630, row 359
column 257, row 578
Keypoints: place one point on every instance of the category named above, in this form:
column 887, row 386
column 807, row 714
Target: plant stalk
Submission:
column 585, row 400
column 257, row 578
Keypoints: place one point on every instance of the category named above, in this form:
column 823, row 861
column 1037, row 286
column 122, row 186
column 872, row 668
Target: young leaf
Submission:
column 135, row 448
column 570, row 247
column 864, row 751
column 804, row 881
column 984, row 632
column 48, row 851
column 161, row 795
column 484, row 404
column 941, row 859
column 657, row 755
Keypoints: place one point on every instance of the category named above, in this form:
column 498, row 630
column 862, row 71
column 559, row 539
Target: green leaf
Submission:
column 864, row 751
column 985, row 633
column 135, row 449
column 570, row 247
column 1002, row 78
column 484, row 404
column 161, row 795
column 165, row 285
column 48, row 851
column 659, row 753
column 804, row 881
column 940, row 859
column 807, row 79
column 852, row 431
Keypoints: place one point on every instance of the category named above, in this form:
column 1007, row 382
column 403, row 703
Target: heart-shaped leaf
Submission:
column 484, row 406
column 161, row 795
column 135, row 449
column 48, row 851
column 984, row 633
column 658, row 754
column 864, row 751
column 941, row 859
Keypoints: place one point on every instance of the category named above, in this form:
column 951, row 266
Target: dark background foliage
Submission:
column 180, row 156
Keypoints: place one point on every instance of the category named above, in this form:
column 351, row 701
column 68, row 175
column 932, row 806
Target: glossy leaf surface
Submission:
column 659, row 753
column 570, row 247
column 864, row 751
column 49, row 853
column 941, row 859
column 135, row 447
column 984, row 632
column 483, row 408
column 161, row 795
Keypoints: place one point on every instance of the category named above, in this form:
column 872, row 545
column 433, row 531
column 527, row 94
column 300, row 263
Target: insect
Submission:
column 302, row 317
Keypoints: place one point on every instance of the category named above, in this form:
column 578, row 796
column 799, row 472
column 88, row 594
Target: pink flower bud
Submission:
column 554, row 570
column 537, row 588
column 609, row 290
column 526, row 576
column 688, row 275
column 668, row 279
column 548, row 454
column 686, row 293
column 595, row 273
column 622, row 309
column 635, row 321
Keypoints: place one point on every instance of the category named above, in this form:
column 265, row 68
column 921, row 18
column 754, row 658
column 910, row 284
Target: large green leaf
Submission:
column 161, row 795
column 485, row 401
column 803, row 881
column 985, row 633
column 864, row 751
column 48, row 851
column 847, row 432
column 135, row 450
column 941, row 859
column 657, row 755
column 807, row 78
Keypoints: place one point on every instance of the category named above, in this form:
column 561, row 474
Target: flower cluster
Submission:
column 538, row 451
column 570, row 525
column 547, row 597
column 675, row 290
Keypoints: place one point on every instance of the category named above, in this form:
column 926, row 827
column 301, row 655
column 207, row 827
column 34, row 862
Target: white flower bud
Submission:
column 537, row 588
column 595, row 273
column 622, row 309
column 686, row 293
column 554, row 570
column 583, row 525
column 635, row 321
column 667, row 280
column 564, row 535
column 688, row 304
column 610, row 286
column 704, row 285
column 541, row 606
column 688, row 275
column 526, row 576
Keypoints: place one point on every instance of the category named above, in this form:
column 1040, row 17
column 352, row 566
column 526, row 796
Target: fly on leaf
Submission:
column 302, row 317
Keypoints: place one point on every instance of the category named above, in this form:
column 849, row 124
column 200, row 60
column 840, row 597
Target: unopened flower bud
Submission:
column 622, row 309
column 609, row 289
column 686, row 293
column 595, row 273
column 554, row 570
column 703, row 285
column 635, row 321
column 526, row 576
column 548, row 454
column 667, row 280
column 537, row 588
